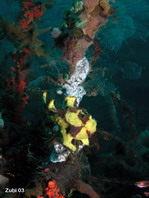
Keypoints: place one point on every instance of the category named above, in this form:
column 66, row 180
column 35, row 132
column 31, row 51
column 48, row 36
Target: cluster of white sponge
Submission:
column 74, row 86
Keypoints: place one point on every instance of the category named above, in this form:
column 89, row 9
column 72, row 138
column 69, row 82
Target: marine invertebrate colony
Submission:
column 52, row 191
column 16, row 83
column 73, row 87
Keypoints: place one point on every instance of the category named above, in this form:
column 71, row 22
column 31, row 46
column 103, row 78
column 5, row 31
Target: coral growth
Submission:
column 32, row 12
column 24, row 37
column 91, row 18
column 105, row 6
column 52, row 191
column 24, row 33
column 16, row 83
